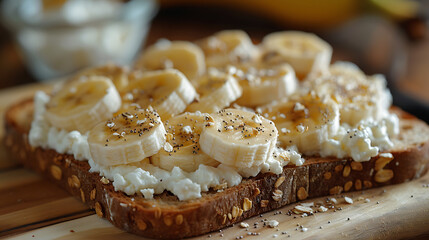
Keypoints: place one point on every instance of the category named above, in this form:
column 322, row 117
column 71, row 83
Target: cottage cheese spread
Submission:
column 361, row 143
column 143, row 177
column 43, row 135
column 148, row 179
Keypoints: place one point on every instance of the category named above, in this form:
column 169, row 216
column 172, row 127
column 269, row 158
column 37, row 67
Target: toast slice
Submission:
column 166, row 217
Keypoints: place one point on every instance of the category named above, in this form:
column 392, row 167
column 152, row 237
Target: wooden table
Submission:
column 34, row 208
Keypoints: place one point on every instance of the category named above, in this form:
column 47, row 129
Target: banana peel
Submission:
column 308, row 13
column 396, row 9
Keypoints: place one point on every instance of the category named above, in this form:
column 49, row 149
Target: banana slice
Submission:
column 182, row 147
column 305, row 52
column 167, row 91
column 262, row 85
column 347, row 70
column 127, row 138
column 228, row 47
column 304, row 121
column 184, row 56
column 360, row 97
column 83, row 104
column 238, row 138
column 216, row 90
column 118, row 74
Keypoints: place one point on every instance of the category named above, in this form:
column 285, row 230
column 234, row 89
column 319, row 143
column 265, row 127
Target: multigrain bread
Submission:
column 166, row 217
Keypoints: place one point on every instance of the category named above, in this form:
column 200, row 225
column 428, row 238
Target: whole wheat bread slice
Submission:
column 166, row 217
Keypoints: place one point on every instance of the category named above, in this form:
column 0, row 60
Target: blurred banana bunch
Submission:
column 310, row 13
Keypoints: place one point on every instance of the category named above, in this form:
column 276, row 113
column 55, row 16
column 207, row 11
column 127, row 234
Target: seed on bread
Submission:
column 98, row 209
column 179, row 219
column 224, row 219
column 92, row 194
column 382, row 161
column 264, row 203
column 75, row 181
column 235, row 212
column 346, row 171
column 141, row 224
column 230, row 216
column 358, row 184
column 383, row 175
column 336, row 190
column 82, row 195
column 327, row 175
column 279, row 181
column 277, row 195
column 247, row 204
column 356, row 166
column 256, row 192
column 367, row 184
column 302, row 193
column 157, row 213
column 339, row 168
column 348, row 186
column 168, row 220
column 56, row 172
column 104, row 180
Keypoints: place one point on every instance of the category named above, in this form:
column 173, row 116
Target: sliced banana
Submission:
column 347, row 70
column 228, row 47
column 182, row 148
column 184, row 56
column 216, row 90
column 304, row 121
column 167, row 91
column 127, row 138
column 238, row 138
column 360, row 96
column 118, row 74
column 82, row 104
column 262, row 85
column 305, row 52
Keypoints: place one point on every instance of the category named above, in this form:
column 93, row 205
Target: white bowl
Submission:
column 61, row 42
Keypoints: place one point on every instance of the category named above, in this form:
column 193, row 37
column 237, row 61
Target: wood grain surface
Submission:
column 33, row 208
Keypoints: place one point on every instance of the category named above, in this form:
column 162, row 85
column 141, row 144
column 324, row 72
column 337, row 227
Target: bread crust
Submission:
column 166, row 217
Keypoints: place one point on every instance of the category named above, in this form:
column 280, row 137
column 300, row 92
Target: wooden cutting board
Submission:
column 34, row 208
